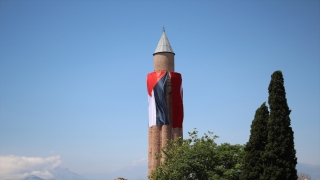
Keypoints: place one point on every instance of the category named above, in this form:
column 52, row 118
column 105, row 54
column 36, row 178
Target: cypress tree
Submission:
column 279, row 156
column 252, row 167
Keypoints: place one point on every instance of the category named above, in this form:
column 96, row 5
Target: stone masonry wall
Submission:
column 163, row 62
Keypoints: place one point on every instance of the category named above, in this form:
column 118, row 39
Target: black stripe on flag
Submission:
column 159, row 91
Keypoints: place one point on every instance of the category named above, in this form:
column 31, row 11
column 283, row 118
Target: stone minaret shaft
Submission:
column 158, row 135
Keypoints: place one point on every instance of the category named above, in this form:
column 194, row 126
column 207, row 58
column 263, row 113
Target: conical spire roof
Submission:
column 164, row 44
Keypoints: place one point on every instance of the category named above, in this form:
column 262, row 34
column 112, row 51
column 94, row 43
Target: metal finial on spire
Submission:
column 163, row 29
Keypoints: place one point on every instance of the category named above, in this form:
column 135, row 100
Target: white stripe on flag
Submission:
column 152, row 110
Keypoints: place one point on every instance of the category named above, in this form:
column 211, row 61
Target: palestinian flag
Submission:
column 157, row 97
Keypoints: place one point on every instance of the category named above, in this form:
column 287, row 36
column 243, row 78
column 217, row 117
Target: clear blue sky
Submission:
column 73, row 73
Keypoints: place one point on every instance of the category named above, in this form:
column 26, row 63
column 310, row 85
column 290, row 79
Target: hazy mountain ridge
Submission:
column 59, row 173
column 133, row 172
column 33, row 177
column 312, row 170
column 139, row 172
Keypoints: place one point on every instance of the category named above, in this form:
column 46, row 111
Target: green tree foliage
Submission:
column 252, row 167
column 199, row 158
column 279, row 156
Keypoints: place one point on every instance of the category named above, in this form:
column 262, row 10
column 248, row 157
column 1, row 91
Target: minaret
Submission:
column 165, row 102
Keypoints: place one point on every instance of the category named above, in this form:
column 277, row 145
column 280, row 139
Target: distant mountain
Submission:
column 133, row 172
column 312, row 170
column 140, row 172
column 33, row 177
column 60, row 173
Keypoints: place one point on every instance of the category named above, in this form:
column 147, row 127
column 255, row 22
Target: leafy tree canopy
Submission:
column 199, row 158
